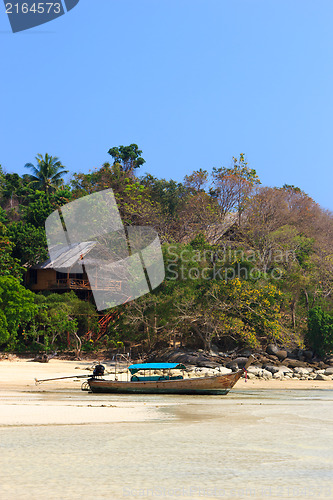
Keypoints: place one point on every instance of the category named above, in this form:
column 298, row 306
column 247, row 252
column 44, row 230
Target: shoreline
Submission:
column 62, row 402
column 19, row 375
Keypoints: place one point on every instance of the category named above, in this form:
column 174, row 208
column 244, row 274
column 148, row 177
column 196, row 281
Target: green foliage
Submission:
column 3, row 216
column 48, row 173
column 197, row 180
column 38, row 208
column 2, row 178
column 320, row 331
column 233, row 312
column 9, row 265
column 170, row 194
column 17, row 308
column 11, row 185
column 199, row 242
column 108, row 176
column 61, row 318
column 29, row 242
column 128, row 157
column 204, row 298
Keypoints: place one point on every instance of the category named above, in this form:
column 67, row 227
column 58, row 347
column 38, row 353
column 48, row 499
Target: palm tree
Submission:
column 48, row 173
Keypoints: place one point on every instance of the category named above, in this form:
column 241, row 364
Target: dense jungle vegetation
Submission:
column 246, row 264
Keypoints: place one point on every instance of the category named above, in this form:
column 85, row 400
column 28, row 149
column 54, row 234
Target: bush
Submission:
column 17, row 308
column 320, row 331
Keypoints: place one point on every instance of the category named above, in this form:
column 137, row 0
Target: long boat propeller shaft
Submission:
column 60, row 378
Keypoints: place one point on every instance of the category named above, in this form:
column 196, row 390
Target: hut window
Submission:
column 33, row 276
column 61, row 276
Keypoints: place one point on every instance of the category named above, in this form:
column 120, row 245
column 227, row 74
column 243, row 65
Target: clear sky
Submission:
column 192, row 82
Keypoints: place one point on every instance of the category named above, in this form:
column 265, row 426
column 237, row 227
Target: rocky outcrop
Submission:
column 274, row 363
column 281, row 354
column 197, row 358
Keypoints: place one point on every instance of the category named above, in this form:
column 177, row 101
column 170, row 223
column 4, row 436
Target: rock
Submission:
column 187, row 359
column 264, row 360
column 323, row 365
column 224, row 371
column 271, row 349
column 273, row 358
column 294, row 363
column 207, row 364
column 278, row 375
column 319, row 372
column 214, row 349
column 329, row 371
column 272, row 369
column 321, row 376
column 241, row 361
column 304, row 355
column 314, row 365
column 281, row 354
column 254, row 370
column 303, row 371
column 285, row 369
column 232, row 365
column 308, row 354
column 245, row 352
column 250, row 375
column 237, row 363
column 292, row 354
column 275, row 351
column 266, row 375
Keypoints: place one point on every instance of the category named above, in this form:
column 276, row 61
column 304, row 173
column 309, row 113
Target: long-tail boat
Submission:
column 164, row 382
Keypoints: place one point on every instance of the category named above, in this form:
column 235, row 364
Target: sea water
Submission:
column 259, row 444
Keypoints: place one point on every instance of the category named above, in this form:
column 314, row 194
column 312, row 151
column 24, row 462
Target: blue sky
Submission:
column 192, row 82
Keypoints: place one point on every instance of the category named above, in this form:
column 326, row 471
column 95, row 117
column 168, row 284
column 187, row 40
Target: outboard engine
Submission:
column 98, row 371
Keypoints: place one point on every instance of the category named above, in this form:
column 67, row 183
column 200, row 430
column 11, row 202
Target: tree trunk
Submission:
column 306, row 300
column 78, row 346
column 293, row 312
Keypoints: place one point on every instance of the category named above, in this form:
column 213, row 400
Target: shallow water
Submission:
column 250, row 444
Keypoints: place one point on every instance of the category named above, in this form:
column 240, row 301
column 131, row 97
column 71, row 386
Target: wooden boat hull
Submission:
column 218, row 384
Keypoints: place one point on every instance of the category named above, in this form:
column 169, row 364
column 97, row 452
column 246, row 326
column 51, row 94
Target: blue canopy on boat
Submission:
column 156, row 366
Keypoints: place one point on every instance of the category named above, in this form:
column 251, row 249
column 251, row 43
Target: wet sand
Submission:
column 22, row 402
